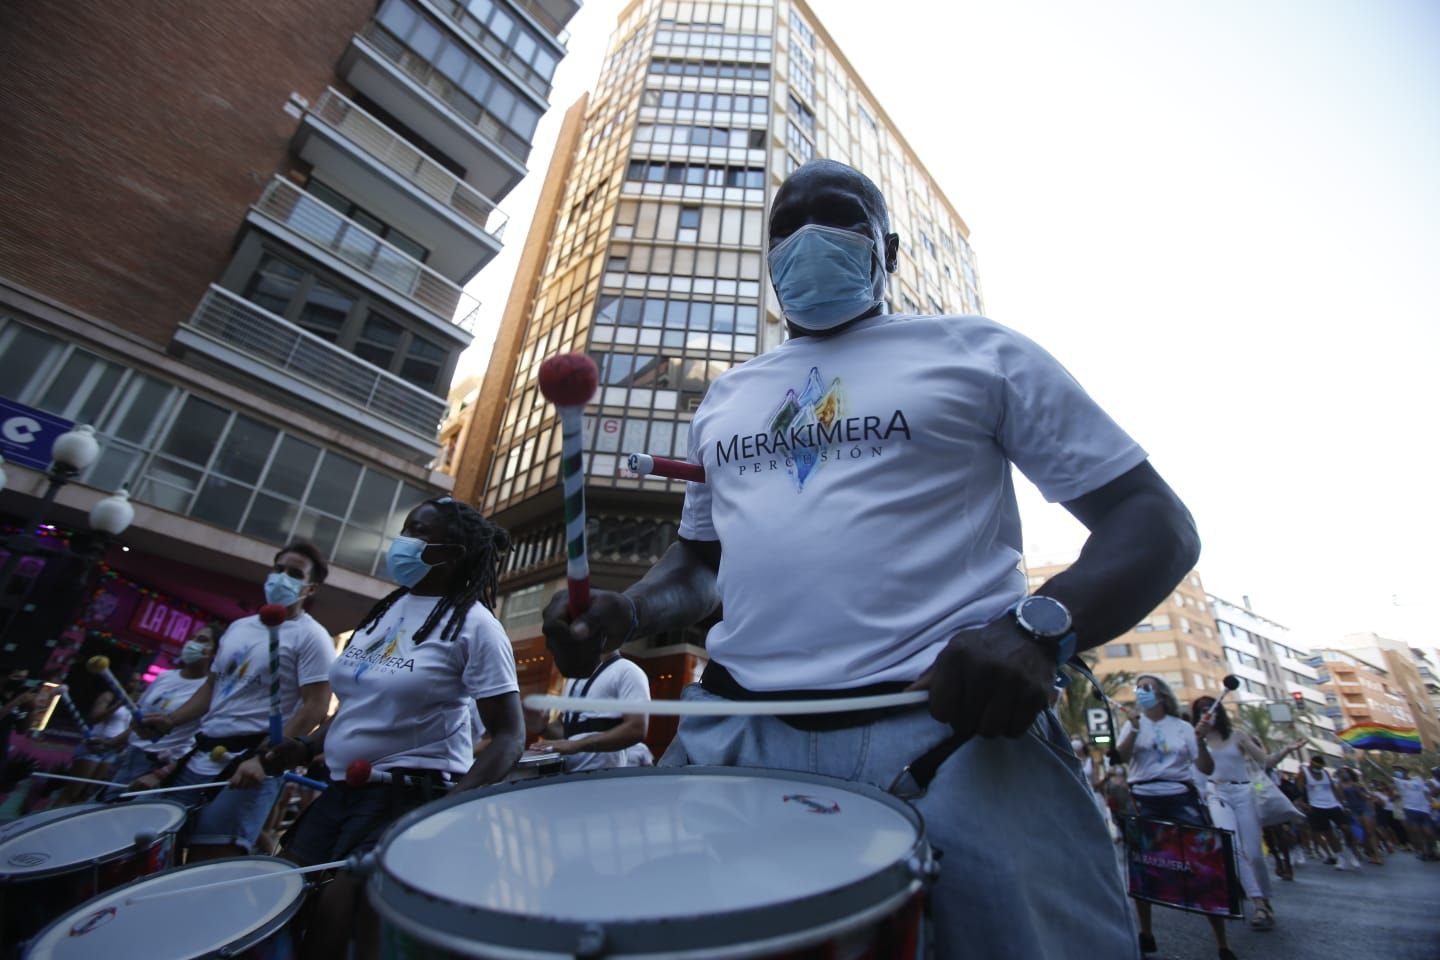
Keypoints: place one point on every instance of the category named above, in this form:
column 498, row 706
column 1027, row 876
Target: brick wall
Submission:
column 136, row 134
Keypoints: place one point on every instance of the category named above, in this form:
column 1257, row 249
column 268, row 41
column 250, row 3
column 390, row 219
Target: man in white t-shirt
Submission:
column 1415, row 797
column 858, row 526
column 595, row 740
column 234, row 703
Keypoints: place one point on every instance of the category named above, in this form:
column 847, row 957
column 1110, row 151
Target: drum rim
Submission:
column 259, row 935
column 124, row 853
column 420, row 914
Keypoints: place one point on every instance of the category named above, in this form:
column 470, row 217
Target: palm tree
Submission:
column 1079, row 696
column 1255, row 717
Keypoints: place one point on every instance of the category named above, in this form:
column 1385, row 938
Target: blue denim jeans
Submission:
column 1028, row 868
column 233, row 816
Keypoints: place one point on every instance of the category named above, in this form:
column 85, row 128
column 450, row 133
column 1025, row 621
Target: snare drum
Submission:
column 644, row 862
column 534, row 764
column 1183, row 866
column 172, row 916
column 60, row 862
column 24, row 823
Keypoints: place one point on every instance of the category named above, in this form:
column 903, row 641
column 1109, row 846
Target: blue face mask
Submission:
column 283, row 589
column 825, row 276
column 1146, row 698
column 403, row 561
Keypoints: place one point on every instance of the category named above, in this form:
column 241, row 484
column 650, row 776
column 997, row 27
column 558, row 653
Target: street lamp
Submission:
column 113, row 515
column 71, row 453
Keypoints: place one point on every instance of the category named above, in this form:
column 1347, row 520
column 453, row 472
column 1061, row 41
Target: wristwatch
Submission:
column 1048, row 622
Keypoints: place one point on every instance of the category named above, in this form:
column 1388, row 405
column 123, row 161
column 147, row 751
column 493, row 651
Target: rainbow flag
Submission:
column 1379, row 736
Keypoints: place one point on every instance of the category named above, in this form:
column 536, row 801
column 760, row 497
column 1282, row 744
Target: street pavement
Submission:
column 1375, row 913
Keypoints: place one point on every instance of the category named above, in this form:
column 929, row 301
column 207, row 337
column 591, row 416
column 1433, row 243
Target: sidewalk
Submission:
column 1385, row 913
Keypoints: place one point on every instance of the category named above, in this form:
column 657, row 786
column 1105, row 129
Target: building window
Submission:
column 801, row 30
column 802, row 115
column 1157, row 651
column 798, row 144
column 719, row 69
column 522, row 608
column 1117, row 649
column 343, row 205
column 705, row 102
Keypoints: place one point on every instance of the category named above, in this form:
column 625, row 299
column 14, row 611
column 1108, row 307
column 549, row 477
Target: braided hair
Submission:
column 477, row 575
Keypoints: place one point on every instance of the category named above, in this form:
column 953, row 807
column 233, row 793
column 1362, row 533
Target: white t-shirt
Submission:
column 1413, row 795
column 1164, row 751
column 168, row 692
column 404, row 704
column 622, row 680
column 114, row 723
column 860, row 486
column 1320, row 793
column 241, row 702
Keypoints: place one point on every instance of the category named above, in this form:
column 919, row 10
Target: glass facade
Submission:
column 655, row 265
column 195, row 456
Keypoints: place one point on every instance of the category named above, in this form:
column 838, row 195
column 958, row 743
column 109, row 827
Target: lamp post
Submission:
column 72, row 452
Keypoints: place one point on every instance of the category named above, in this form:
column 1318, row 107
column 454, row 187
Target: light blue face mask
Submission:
column 283, row 589
column 402, row 559
column 825, row 276
column 1146, row 698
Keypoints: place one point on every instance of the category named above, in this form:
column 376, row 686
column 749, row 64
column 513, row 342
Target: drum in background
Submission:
column 173, row 916
column 55, row 865
column 644, row 862
column 1182, row 866
column 533, row 763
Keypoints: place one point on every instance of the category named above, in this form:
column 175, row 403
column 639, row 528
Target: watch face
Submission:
column 1044, row 617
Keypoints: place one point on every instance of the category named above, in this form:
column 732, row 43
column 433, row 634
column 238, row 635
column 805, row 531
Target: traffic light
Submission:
column 1299, row 699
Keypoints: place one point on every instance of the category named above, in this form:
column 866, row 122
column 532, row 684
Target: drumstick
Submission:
column 221, row 755
column 568, row 380
column 644, row 464
column 1231, row 682
column 725, row 708
column 236, row 881
column 100, row 666
column 193, row 786
column 272, row 615
column 75, row 714
column 61, row 776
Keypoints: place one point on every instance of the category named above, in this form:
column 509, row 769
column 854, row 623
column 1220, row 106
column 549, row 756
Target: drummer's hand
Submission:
column 576, row 646
column 291, row 753
column 991, row 681
column 562, row 747
column 249, row 775
column 158, row 724
column 1202, row 728
column 153, row 779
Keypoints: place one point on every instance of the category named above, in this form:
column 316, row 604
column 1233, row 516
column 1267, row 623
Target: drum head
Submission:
column 647, row 847
column 188, row 923
column 15, row 827
column 94, row 834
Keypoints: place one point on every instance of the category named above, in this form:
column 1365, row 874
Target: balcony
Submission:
column 312, row 226
column 229, row 329
column 407, row 85
column 551, row 15
column 380, row 170
column 497, row 47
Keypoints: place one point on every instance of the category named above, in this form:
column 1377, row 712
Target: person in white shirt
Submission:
column 167, row 691
column 858, row 532
column 1329, row 823
column 595, row 740
column 1163, row 751
column 425, row 660
column 233, row 705
column 1415, row 797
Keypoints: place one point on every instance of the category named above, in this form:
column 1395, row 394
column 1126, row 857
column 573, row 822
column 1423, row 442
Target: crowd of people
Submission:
column 1198, row 767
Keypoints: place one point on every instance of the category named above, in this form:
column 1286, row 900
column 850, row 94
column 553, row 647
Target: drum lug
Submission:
column 591, row 943
column 924, row 867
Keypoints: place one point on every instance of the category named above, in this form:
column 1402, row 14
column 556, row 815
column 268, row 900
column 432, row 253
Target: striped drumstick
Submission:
column 568, row 381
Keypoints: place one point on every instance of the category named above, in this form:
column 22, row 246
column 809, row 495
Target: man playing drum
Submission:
column 858, row 526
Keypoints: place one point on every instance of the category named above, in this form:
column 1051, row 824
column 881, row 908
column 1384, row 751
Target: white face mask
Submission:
column 194, row 651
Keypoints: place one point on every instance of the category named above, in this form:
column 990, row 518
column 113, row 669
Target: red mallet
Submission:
column 646, row 465
column 273, row 615
column 358, row 773
column 569, row 381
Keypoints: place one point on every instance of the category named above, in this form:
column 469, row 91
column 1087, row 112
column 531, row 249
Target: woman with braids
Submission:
column 405, row 684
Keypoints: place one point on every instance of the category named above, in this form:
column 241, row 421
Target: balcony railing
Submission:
column 331, row 230
column 544, row 19
column 496, row 46
column 426, row 74
column 240, row 325
column 396, row 153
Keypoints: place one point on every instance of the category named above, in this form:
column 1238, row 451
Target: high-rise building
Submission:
column 1177, row 642
column 1359, row 690
column 234, row 240
column 1405, row 676
column 647, row 252
column 1272, row 669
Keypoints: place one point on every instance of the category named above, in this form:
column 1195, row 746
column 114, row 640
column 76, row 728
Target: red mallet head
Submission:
column 273, row 614
column 358, row 773
column 569, row 379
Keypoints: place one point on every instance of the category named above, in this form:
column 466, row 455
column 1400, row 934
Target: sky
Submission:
column 1224, row 219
